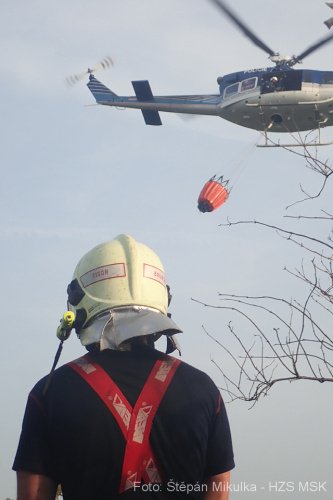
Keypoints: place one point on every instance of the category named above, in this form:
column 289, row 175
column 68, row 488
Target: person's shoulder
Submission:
column 53, row 378
column 196, row 375
column 193, row 369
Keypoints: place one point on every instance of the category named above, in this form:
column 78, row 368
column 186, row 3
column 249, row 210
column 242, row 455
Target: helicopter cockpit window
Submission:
column 308, row 76
column 248, row 84
column 327, row 77
column 231, row 90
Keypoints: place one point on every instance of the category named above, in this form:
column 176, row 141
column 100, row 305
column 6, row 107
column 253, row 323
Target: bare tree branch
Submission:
column 298, row 346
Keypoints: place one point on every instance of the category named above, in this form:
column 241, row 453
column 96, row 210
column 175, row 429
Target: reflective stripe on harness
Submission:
column 135, row 423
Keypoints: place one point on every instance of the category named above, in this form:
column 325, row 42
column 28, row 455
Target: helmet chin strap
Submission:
column 172, row 345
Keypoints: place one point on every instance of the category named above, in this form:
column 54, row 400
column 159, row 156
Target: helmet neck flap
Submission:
column 112, row 329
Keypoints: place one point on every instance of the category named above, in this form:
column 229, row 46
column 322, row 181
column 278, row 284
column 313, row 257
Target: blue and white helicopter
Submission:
column 275, row 99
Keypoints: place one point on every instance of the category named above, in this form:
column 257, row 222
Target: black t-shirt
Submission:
column 69, row 434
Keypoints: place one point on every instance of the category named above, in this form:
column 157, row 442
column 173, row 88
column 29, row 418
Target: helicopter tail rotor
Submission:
column 105, row 63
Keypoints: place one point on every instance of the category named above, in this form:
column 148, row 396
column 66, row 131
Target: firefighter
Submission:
column 124, row 420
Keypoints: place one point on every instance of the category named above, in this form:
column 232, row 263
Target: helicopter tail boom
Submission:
column 151, row 105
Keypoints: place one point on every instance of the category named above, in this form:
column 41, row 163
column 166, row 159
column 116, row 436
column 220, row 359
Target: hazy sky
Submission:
column 74, row 176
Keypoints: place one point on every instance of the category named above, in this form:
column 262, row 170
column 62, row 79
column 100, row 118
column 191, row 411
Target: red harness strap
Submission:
column 135, row 423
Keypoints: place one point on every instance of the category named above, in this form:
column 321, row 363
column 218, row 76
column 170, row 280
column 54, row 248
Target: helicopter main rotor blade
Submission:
column 235, row 19
column 312, row 48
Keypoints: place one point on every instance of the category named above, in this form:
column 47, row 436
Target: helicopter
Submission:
column 277, row 99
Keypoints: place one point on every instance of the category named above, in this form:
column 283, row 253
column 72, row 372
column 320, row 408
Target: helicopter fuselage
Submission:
column 277, row 99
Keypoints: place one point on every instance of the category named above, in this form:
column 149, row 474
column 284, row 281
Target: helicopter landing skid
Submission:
column 298, row 143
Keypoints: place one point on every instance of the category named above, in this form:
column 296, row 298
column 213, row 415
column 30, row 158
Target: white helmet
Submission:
column 121, row 274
